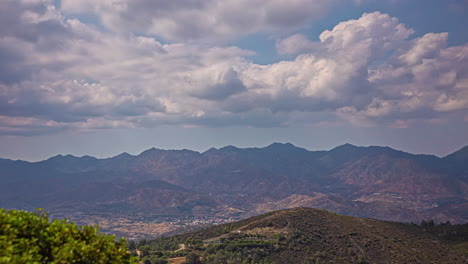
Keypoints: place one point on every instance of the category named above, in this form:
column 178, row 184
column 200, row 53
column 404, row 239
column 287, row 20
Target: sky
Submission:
column 102, row 77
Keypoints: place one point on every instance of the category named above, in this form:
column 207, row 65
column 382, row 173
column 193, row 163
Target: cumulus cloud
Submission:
column 297, row 43
column 202, row 20
column 335, row 71
column 425, row 75
column 380, row 75
column 85, row 77
column 58, row 73
column 215, row 82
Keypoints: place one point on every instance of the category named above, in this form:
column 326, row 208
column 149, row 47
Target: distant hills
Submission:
column 375, row 182
column 304, row 235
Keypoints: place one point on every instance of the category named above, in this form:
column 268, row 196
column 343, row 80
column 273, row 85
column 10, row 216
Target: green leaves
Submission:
column 27, row 237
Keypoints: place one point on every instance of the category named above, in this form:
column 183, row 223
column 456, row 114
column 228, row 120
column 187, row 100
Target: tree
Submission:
column 27, row 237
column 131, row 245
column 427, row 223
column 152, row 259
column 192, row 258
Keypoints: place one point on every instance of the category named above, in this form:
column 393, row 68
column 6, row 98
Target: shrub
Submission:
column 192, row 258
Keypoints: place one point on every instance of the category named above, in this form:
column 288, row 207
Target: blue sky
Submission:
column 103, row 77
column 422, row 15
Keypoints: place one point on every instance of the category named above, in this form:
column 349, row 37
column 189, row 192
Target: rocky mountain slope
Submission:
column 377, row 182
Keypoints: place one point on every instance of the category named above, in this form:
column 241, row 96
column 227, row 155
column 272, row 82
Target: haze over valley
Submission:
column 160, row 191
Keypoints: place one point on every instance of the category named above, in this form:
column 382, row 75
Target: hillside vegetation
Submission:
column 27, row 237
column 304, row 235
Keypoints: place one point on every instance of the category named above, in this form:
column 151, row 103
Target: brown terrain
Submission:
column 162, row 191
column 304, row 235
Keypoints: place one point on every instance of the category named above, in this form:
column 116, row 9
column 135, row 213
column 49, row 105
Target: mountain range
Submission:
column 372, row 182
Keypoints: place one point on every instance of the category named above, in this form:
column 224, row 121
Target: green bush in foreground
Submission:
column 27, row 237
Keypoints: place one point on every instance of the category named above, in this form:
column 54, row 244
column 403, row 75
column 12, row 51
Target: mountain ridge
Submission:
column 362, row 181
column 461, row 150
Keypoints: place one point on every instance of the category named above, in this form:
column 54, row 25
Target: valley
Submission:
column 163, row 192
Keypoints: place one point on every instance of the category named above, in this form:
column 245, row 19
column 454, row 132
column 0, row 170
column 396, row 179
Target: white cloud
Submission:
column 202, row 20
column 426, row 75
column 297, row 43
column 215, row 82
column 426, row 47
column 64, row 74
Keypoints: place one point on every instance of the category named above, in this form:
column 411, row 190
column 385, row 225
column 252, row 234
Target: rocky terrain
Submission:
column 234, row 183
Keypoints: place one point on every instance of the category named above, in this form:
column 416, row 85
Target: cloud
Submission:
column 382, row 76
column 91, row 76
column 425, row 74
column 335, row 71
column 216, row 82
column 65, row 74
column 297, row 43
column 202, row 20
column 426, row 47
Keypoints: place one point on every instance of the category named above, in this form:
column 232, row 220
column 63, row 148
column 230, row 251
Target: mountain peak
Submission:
column 155, row 153
column 346, row 146
column 123, row 155
column 460, row 155
column 150, row 151
column 210, row 150
column 61, row 157
column 229, row 148
column 281, row 146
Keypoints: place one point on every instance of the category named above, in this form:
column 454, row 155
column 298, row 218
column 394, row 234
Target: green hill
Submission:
column 304, row 235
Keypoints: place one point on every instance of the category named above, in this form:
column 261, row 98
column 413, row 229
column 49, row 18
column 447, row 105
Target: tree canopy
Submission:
column 27, row 237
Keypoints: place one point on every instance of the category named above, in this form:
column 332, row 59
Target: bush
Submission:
column 27, row 237
column 192, row 258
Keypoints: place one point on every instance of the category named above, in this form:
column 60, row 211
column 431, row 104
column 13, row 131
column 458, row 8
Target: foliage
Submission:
column 192, row 258
column 152, row 259
column 314, row 236
column 27, row 237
